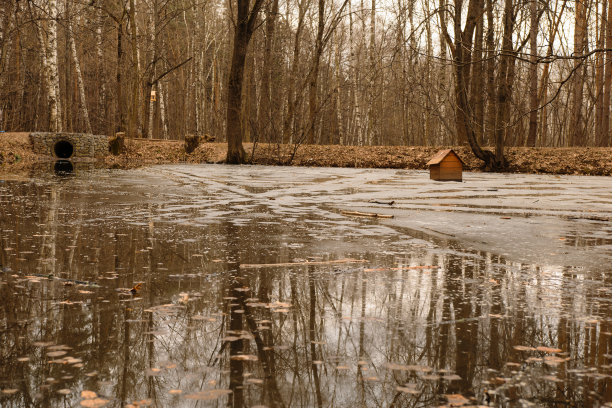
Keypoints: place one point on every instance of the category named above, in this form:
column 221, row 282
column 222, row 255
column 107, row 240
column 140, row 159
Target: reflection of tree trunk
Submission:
column 265, row 344
column 123, row 390
column 236, row 399
column 364, row 288
column 312, row 335
column 465, row 331
column 605, row 344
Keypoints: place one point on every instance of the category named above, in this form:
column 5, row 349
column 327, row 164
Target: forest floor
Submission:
column 16, row 156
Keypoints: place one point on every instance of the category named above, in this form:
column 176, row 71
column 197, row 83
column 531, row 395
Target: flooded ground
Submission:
column 197, row 286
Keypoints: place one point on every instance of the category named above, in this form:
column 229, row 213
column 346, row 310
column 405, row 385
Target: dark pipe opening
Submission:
column 63, row 149
column 63, row 167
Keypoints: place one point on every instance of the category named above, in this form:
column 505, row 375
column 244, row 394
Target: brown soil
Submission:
column 16, row 156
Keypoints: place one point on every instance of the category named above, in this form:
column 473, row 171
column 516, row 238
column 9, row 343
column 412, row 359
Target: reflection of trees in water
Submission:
column 465, row 318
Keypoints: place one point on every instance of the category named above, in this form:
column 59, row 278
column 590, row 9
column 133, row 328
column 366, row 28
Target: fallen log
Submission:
column 401, row 268
column 337, row 261
column 382, row 202
column 366, row 214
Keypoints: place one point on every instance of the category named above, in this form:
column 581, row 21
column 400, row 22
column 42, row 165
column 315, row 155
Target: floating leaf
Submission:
column 175, row 392
column 244, row 357
column 94, row 403
column 152, row 372
column 64, row 391
column 554, row 360
column 143, row 403
column 523, row 348
column 402, row 367
column 88, row 394
column 407, row 390
column 58, row 353
column 9, row 391
column 548, row 349
column 208, row 395
column 456, row 400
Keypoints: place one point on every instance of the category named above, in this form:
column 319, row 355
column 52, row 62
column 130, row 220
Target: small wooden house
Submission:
column 445, row 166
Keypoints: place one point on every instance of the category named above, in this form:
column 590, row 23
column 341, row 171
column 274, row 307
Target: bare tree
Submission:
column 244, row 26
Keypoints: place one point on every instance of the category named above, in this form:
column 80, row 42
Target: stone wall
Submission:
column 84, row 145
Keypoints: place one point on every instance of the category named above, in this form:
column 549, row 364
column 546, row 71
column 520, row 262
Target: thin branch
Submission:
column 156, row 80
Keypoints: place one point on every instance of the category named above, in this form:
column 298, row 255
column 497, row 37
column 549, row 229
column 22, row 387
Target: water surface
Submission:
column 183, row 286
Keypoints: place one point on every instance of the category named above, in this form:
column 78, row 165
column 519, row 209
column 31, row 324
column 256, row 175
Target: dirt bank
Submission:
column 16, row 156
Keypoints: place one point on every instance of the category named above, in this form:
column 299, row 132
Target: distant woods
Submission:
column 355, row 72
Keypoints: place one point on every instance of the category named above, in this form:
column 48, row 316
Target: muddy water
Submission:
column 190, row 286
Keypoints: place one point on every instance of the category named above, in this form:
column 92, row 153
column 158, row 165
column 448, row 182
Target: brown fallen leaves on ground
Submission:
column 16, row 155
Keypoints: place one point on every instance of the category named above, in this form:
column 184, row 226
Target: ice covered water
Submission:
column 248, row 286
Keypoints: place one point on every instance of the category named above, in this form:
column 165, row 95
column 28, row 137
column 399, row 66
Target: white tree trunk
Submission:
column 162, row 109
column 55, row 119
column 80, row 84
column 100, row 55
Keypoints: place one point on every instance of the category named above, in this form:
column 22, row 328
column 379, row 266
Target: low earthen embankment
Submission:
column 17, row 155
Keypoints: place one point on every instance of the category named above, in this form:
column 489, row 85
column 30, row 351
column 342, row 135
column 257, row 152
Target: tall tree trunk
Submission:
column 265, row 116
column 373, row 90
column 605, row 118
column 243, row 30
column 504, row 85
column 120, row 106
column 490, row 67
column 314, row 76
column 599, row 75
column 134, row 106
column 576, row 129
column 162, row 109
column 543, row 96
column 462, row 49
column 77, row 68
column 101, row 103
column 478, row 83
column 55, row 118
column 533, row 74
column 149, row 102
column 291, row 99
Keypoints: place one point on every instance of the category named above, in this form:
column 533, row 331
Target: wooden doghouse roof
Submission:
column 438, row 157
